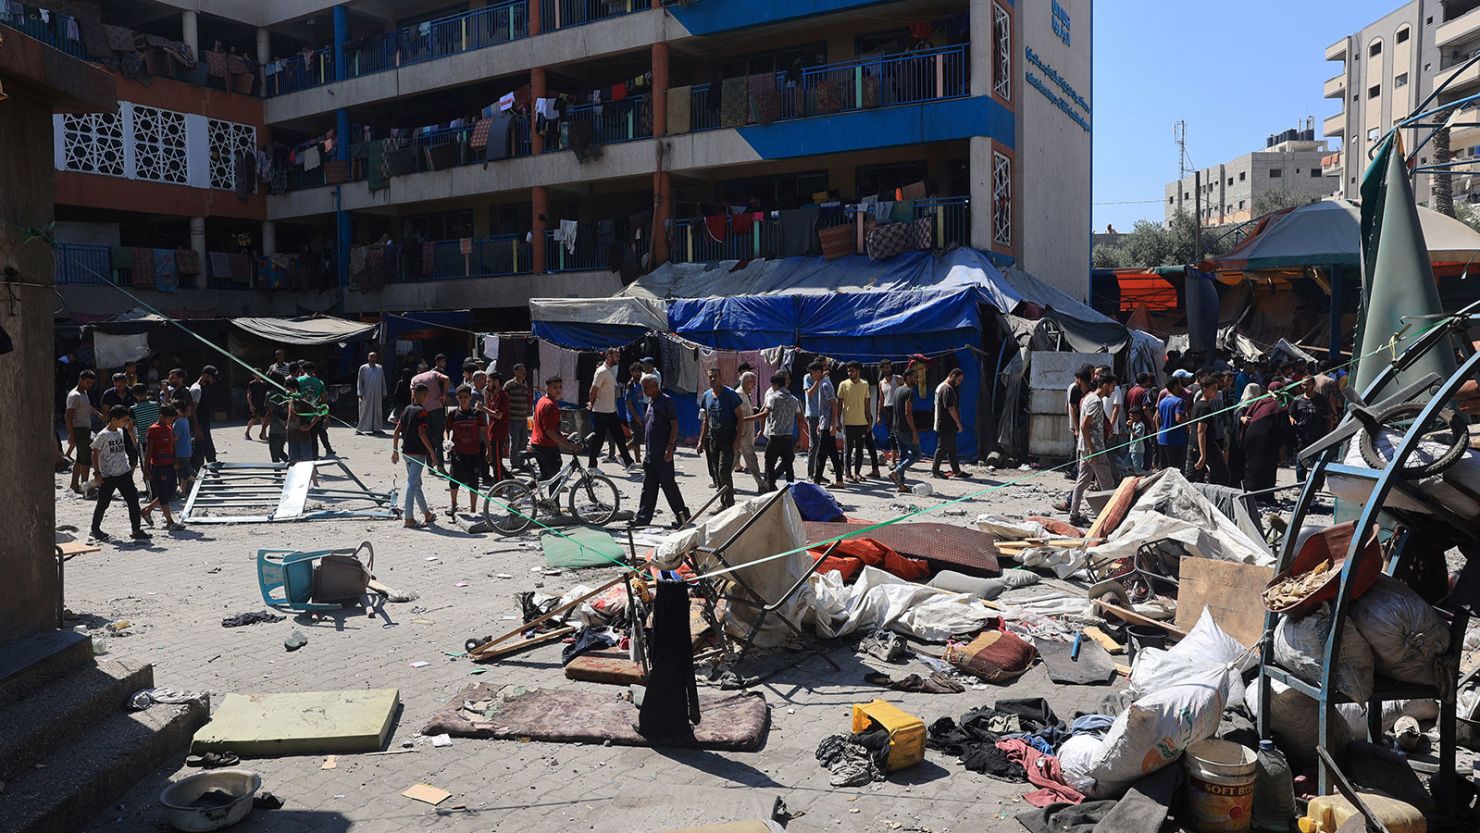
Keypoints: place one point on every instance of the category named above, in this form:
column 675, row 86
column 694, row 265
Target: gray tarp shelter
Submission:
column 305, row 331
column 1328, row 233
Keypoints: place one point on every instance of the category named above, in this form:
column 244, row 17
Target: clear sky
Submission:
column 1235, row 72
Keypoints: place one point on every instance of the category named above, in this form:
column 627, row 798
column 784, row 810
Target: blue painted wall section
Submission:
column 934, row 121
column 710, row 16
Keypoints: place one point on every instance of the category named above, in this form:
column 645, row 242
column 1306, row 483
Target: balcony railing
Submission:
column 303, row 71
column 435, row 39
column 80, row 264
column 905, row 78
column 586, row 257
column 446, row 36
column 608, row 123
column 52, row 31
column 694, row 243
column 563, row 14
column 483, row 257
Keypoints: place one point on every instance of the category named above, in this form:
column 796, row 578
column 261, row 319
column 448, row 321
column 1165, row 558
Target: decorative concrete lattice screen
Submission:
column 92, row 143
column 160, row 145
column 1001, row 199
column 227, row 141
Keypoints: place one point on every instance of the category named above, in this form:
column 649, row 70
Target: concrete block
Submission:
column 32, row 726
column 28, row 664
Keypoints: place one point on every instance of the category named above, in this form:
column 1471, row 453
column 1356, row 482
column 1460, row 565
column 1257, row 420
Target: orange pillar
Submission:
column 537, row 89
column 662, row 212
column 660, row 89
column 535, row 22
column 539, row 198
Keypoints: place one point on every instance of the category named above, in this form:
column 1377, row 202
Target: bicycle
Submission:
column 591, row 498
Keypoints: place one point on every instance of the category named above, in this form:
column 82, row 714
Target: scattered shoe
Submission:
column 884, row 645
column 1061, row 506
column 876, row 475
column 295, row 640
column 140, row 535
column 1078, row 520
column 148, row 519
column 175, row 526
column 100, row 536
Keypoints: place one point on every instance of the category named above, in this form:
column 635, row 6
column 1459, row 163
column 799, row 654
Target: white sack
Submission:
column 1300, row 647
column 1406, row 635
column 1206, row 646
column 1294, row 722
column 1077, row 757
column 1153, row 731
column 1170, row 508
column 1011, row 530
column 881, row 600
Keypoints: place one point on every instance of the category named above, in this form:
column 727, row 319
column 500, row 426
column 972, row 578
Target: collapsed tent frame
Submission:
column 284, row 489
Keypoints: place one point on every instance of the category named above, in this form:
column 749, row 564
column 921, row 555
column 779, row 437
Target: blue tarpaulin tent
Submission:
column 849, row 308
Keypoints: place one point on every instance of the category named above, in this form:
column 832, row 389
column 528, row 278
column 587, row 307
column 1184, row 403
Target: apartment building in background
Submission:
column 1290, row 164
column 1386, row 70
column 367, row 156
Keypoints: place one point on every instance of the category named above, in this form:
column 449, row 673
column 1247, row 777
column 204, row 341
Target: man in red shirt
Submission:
column 546, row 441
column 159, row 450
column 496, row 405
column 467, row 425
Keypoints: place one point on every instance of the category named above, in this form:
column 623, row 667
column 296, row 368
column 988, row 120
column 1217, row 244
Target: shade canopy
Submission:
column 304, row 331
column 1328, row 233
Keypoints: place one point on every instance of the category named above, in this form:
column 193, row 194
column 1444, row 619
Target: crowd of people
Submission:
column 1228, row 422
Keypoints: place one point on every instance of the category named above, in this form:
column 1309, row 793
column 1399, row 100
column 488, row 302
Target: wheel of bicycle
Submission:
column 511, row 509
column 595, row 500
column 1397, row 418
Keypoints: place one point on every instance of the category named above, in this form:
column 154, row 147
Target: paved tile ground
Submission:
column 176, row 591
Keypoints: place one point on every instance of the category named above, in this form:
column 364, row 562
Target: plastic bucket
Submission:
column 1144, row 636
column 1220, row 794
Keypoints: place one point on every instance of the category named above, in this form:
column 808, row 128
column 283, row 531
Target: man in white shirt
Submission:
column 602, row 403
column 1094, row 465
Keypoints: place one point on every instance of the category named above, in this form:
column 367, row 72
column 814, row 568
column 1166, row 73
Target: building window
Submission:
column 1402, row 35
column 1315, row 173
column 228, row 141
column 1001, row 199
column 1001, row 52
column 1171, row 200
column 92, row 143
column 1242, row 175
column 1230, row 180
column 159, row 145
column 1374, row 91
column 1241, row 205
column 1400, row 80
column 1276, row 173
column 1375, row 49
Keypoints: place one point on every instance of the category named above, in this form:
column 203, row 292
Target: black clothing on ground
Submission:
column 672, row 699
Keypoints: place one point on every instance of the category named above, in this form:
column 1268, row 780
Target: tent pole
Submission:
column 1333, row 349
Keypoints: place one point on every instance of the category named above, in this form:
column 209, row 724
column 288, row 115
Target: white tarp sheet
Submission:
column 881, row 600
column 322, row 330
column 648, row 313
column 111, row 351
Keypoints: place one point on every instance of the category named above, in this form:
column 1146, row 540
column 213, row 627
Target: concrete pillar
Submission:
column 341, row 132
column 535, row 23
column 269, row 238
column 539, row 199
column 662, row 211
column 341, row 40
column 981, row 47
column 981, row 193
column 344, row 239
column 190, row 32
column 660, row 88
column 264, row 46
column 198, row 243
column 538, row 88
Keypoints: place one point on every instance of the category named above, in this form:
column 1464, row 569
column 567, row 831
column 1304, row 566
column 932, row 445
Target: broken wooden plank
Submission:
column 1104, row 640
column 1231, row 591
column 511, row 648
column 1137, row 619
column 478, row 652
column 1115, row 510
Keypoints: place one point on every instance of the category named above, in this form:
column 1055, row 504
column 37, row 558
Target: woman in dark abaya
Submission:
column 1265, row 425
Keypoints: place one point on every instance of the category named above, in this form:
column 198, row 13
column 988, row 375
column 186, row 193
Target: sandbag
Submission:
column 1300, row 647
column 1206, row 646
column 1077, row 756
column 995, row 656
column 1154, row 730
column 1355, row 714
column 1406, row 635
column 1294, row 722
column 982, row 588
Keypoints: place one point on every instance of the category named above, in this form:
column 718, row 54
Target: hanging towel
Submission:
column 187, row 262
column 734, row 104
column 558, row 361
column 490, row 349
column 375, row 164
column 882, row 212
column 741, row 223
column 798, row 231
column 166, row 279
column 220, row 265
column 143, row 268
column 763, row 369
column 568, row 231
column 728, row 363
column 680, row 113
column 904, row 211
column 311, row 158
column 715, row 224
column 480, row 134
column 708, row 360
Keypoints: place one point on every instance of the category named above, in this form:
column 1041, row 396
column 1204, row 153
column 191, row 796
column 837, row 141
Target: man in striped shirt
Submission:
column 145, row 413
column 518, row 390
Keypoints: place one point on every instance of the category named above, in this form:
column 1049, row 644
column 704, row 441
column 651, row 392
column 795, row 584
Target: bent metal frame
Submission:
column 276, row 492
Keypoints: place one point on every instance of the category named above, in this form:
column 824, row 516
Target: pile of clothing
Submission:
column 1016, row 740
column 857, row 758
